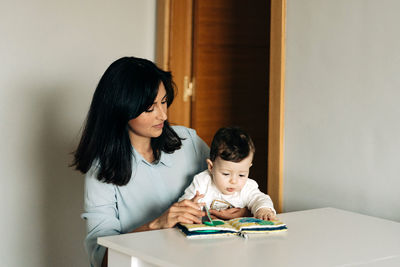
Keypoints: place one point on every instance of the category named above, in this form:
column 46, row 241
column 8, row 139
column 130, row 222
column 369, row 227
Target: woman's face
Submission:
column 151, row 122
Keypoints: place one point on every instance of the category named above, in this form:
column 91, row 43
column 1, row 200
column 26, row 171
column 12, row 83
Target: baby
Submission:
column 226, row 184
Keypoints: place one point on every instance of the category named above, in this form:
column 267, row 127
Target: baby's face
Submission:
column 228, row 176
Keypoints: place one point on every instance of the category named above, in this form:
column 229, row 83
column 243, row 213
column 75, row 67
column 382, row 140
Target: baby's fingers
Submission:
column 272, row 217
column 197, row 197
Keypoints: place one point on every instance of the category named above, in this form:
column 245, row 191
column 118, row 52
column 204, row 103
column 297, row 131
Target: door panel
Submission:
column 180, row 58
column 230, row 68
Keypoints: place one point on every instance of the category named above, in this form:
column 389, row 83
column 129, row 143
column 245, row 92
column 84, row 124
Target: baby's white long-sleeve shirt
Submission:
column 250, row 196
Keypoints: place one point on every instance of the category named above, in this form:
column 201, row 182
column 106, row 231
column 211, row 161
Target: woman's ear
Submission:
column 209, row 164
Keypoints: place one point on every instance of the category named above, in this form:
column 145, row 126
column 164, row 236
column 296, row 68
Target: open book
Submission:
column 238, row 226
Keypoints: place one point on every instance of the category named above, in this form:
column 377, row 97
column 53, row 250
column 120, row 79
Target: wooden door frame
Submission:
column 276, row 102
column 276, row 83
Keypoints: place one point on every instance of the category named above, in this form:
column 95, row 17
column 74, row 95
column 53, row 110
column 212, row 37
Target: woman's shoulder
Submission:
column 193, row 146
column 184, row 132
column 97, row 192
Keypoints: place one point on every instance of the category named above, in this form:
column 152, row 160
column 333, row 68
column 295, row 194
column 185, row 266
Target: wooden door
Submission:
column 226, row 43
column 230, row 68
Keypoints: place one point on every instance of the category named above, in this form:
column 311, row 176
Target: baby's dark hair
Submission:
column 231, row 144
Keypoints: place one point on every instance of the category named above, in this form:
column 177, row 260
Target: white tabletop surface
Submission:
column 319, row 237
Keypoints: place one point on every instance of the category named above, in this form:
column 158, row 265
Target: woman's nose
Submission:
column 162, row 113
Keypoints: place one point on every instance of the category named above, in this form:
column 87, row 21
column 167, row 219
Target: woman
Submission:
column 136, row 164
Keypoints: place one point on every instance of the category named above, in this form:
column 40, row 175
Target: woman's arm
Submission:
column 100, row 214
column 185, row 211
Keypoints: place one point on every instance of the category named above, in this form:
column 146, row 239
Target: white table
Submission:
column 319, row 237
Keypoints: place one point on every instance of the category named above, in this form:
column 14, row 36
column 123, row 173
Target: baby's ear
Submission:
column 209, row 164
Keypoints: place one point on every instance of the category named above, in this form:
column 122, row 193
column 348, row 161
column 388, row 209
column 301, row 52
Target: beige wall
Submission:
column 342, row 106
column 52, row 54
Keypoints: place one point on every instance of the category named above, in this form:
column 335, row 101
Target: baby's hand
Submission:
column 197, row 197
column 265, row 214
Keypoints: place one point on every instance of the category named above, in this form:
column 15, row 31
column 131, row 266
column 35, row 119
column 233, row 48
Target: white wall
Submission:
column 52, row 54
column 342, row 110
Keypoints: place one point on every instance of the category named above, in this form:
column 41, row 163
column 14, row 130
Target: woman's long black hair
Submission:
column 127, row 88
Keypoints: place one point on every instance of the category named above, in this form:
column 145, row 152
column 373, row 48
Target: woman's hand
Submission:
column 231, row 213
column 185, row 211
